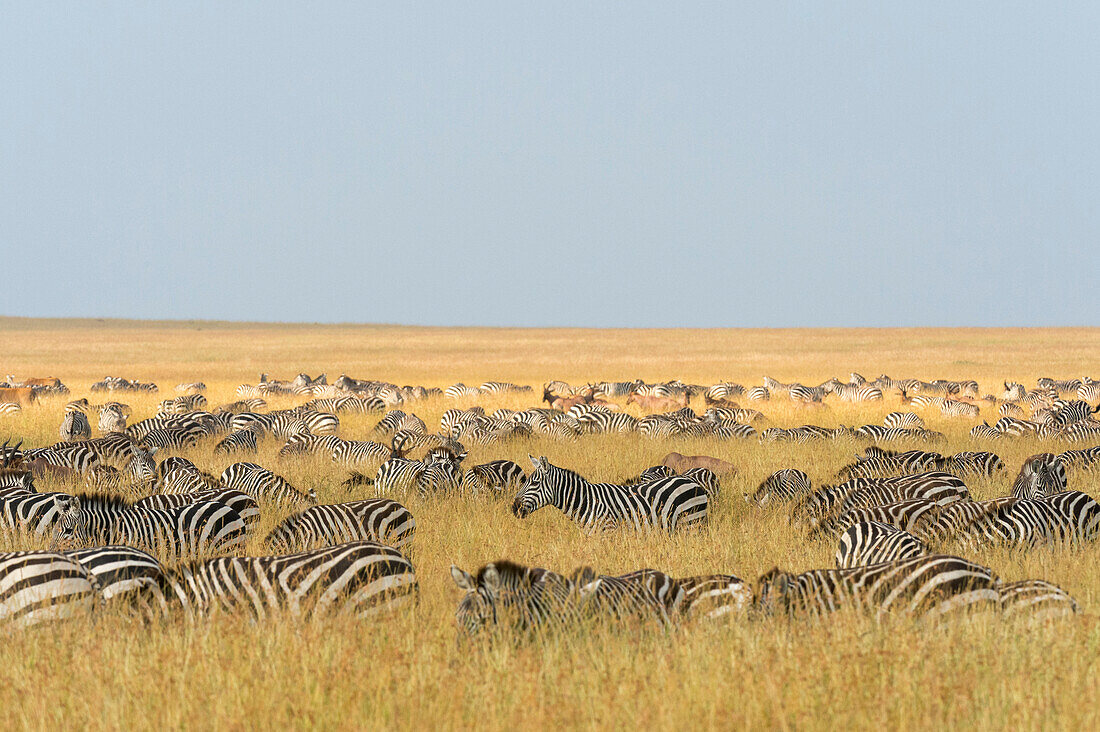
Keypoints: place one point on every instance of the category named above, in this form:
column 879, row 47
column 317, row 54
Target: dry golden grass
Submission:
column 409, row 671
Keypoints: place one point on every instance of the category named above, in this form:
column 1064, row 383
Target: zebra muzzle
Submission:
column 519, row 510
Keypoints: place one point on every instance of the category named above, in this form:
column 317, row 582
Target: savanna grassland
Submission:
column 408, row 670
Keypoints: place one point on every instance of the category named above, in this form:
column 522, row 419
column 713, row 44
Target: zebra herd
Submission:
column 149, row 530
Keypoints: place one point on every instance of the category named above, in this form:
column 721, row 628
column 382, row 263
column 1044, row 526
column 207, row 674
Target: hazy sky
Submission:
column 597, row 163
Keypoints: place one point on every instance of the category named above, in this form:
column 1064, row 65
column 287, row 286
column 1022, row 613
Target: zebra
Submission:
column 353, row 452
column 111, row 419
column 28, row 512
column 955, row 408
column 496, row 476
column 800, row 393
column 506, row 594
column 378, row 519
column 1080, row 459
column 668, row 503
column 645, row 594
column 126, row 579
column 902, row 420
column 1078, row 431
column 44, row 587
column 1062, row 386
column 1011, row 409
column 936, row 486
column 983, row 464
column 722, row 392
column 244, row 440
column 75, row 426
column 305, row 442
column 1066, row 516
column 502, row 387
column 851, row 392
column 928, row 585
column 1035, row 600
column 1069, row 412
column 396, row 420
column 443, row 476
column 78, row 456
column 758, row 394
column 242, row 503
column 195, row 386
column 603, row 421
column 1013, row 392
column 460, row 390
column 784, row 485
column 712, row 596
column 985, row 432
column 872, row 542
column 1040, row 475
column 398, row 473
column 908, row 515
column 195, row 529
column 182, row 404
column 177, row 438
column 260, row 483
column 1089, row 392
column 361, row 579
column 243, row 405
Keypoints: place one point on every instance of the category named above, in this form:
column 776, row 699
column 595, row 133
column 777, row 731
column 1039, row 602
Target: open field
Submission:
column 408, row 670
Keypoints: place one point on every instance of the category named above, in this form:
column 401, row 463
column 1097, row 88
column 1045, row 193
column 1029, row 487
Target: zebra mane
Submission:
column 104, row 501
column 511, row 573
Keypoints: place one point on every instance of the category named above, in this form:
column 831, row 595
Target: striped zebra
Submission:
column 174, row 438
column 980, row 464
column 806, row 394
column 378, row 519
column 75, row 426
column 727, row 414
column 193, row 387
column 713, row 596
column 194, row 422
column 1062, row 386
column 460, row 390
column 956, row 408
column 1040, row 475
column 670, row 503
column 936, row 486
column 10, row 408
column 243, row 405
column 722, row 392
column 111, row 419
column 610, row 389
column 44, row 587
column 398, row 473
column 784, row 485
column 354, row 452
column 191, row 530
column 985, row 432
column 758, row 394
column 182, row 404
column 78, row 456
column 929, row 585
column 244, row 440
column 603, row 421
column 360, row 579
column 260, row 483
column 1089, row 392
column 645, row 594
column 1086, row 459
column 1081, row 431
column 852, row 392
column 878, row 433
column 305, row 442
column 1070, row 412
column 909, row 514
column 126, row 579
column 497, row 476
column 872, row 542
column 1035, row 600
column 439, row 476
column 1013, row 392
column 1011, row 409
column 902, row 420
column 244, row 504
column 503, row 387
column 397, row 421
column 1067, row 516
column 507, row 595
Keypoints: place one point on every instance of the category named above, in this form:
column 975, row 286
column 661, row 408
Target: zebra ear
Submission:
column 583, row 575
column 491, row 578
column 533, row 460
column 587, row 591
column 543, row 462
column 463, row 579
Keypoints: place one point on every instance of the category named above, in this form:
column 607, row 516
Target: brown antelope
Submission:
column 21, row 395
column 658, row 403
column 680, row 463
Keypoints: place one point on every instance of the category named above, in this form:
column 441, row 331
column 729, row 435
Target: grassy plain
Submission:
column 409, row 672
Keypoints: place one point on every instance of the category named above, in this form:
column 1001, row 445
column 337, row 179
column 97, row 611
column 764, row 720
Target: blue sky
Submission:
column 604, row 164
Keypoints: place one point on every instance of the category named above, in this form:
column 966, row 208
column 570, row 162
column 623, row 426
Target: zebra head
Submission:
column 72, row 523
column 1040, row 475
column 537, row 491
column 479, row 607
column 773, row 592
column 142, row 466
